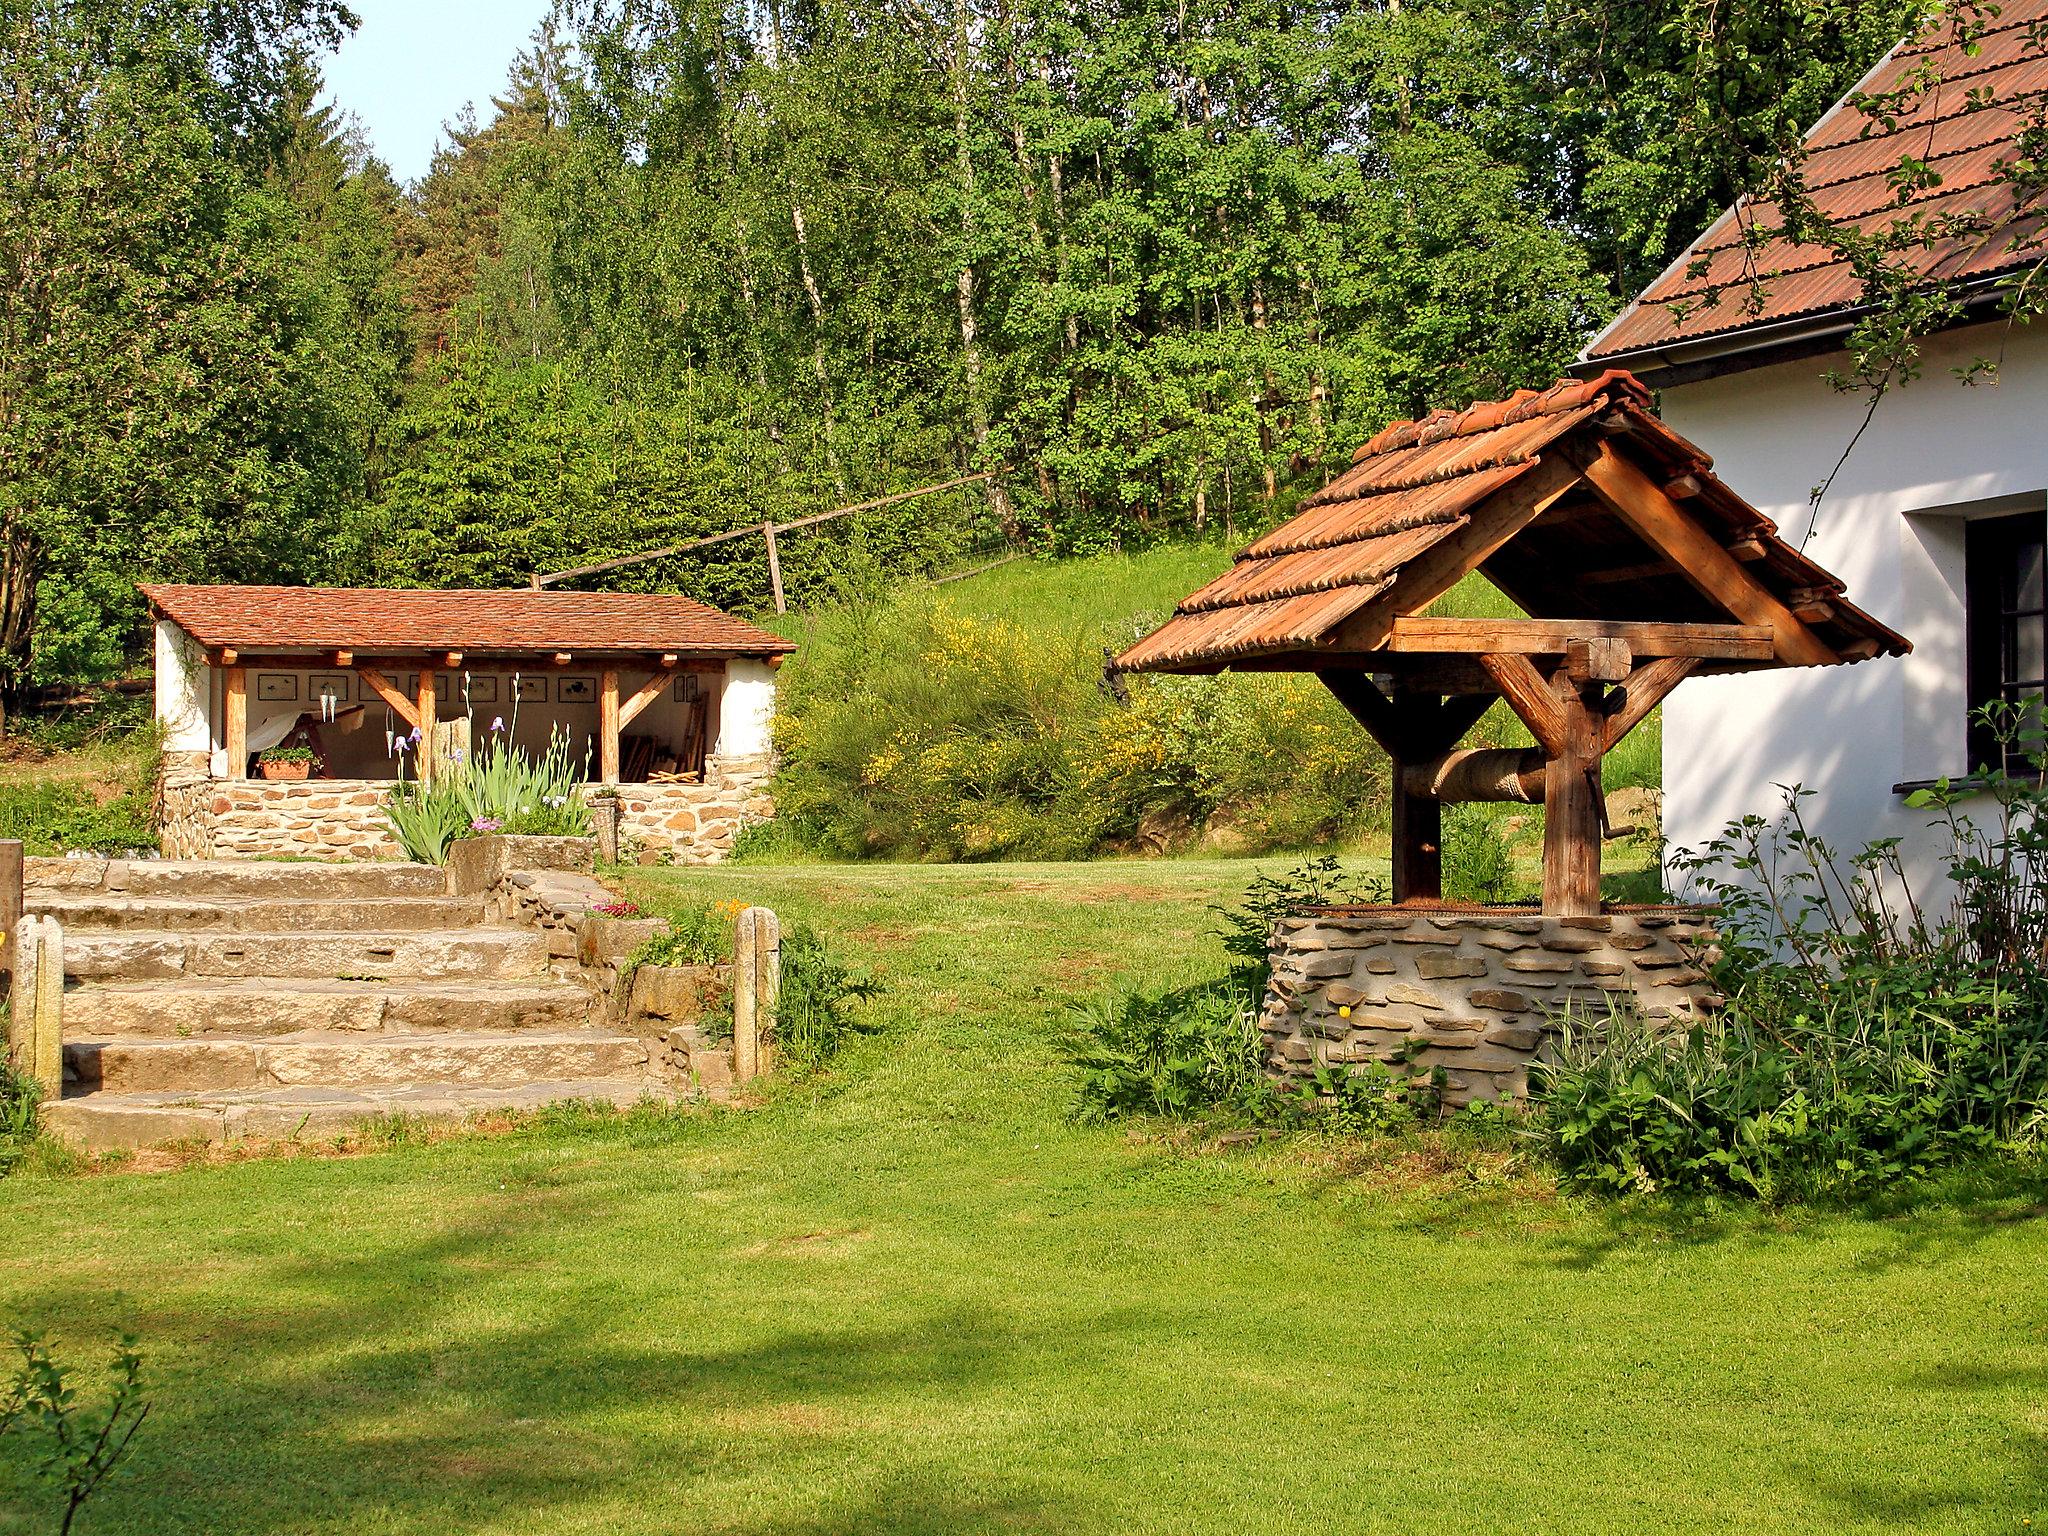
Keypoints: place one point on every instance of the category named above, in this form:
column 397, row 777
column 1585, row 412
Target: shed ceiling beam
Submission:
column 649, row 691
column 1641, row 503
column 398, row 703
column 1554, row 637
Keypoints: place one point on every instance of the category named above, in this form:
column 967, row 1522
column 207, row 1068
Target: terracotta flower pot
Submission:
column 274, row 770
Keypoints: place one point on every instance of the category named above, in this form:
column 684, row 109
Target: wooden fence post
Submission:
column 756, row 990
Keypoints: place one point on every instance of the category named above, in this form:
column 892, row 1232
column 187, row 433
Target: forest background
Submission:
column 1163, row 263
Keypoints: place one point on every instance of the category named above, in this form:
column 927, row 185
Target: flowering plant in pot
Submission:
column 285, row 762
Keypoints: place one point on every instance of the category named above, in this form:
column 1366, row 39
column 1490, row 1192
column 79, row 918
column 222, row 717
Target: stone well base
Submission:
column 1477, row 993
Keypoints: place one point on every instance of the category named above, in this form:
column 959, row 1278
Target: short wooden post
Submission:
column 36, row 1005
column 756, row 991
column 10, row 900
column 423, row 702
column 608, row 726
column 235, row 681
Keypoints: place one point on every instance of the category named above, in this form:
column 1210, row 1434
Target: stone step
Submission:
column 106, row 1121
column 444, row 954
column 306, row 1059
column 98, row 911
column 261, row 1007
column 247, row 878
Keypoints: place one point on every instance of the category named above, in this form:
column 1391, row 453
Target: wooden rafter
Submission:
column 1655, row 518
column 383, row 687
column 649, row 691
column 1531, row 697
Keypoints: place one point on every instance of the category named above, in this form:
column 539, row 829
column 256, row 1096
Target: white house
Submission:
column 1935, row 518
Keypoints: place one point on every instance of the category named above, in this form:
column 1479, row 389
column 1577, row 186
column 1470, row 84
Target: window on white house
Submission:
column 2007, row 564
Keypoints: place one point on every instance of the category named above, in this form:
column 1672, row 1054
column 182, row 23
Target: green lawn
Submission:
column 912, row 1297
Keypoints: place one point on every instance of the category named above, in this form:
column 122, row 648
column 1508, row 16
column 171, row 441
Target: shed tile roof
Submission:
column 375, row 620
column 1850, row 155
column 1417, row 483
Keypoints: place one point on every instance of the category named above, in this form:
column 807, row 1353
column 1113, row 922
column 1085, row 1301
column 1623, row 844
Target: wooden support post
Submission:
column 1418, row 852
column 423, row 722
column 235, row 682
column 608, row 726
column 10, row 901
column 1571, row 809
column 774, row 566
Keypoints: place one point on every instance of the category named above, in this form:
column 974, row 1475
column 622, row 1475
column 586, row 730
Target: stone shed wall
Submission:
column 1478, row 994
column 694, row 823
column 207, row 818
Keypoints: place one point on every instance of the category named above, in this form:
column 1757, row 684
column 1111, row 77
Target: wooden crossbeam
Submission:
column 383, row 687
column 649, row 691
column 1642, row 691
column 1553, row 637
column 1530, row 696
column 1655, row 518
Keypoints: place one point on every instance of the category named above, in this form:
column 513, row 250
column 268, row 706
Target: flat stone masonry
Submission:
column 1479, row 994
column 207, row 818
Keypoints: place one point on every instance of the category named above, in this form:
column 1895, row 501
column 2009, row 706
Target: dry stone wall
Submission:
column 694, row 823
column 1477, row 995
column 203, row 818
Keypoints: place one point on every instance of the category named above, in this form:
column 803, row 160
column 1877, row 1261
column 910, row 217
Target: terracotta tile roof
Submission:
column 1849, row 157
column 1418, row 483
column 378, row 621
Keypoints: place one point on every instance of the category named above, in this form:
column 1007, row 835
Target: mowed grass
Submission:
column 911, row 1296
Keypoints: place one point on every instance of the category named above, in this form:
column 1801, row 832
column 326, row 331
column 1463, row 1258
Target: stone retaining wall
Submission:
column 694, row 823
column 1477, row 995
column 205, row 818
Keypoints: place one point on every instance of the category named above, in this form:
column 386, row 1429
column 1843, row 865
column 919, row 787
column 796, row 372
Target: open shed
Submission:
column 668, row 699
column 1636, row 568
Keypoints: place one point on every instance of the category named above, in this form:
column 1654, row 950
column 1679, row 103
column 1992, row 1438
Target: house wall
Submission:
column 1936, row 453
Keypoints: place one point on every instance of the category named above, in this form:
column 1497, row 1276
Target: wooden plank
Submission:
column 388, row 691
column 424, row 724
column 1649, row 570
column 1571, row 814
column 1603, row 660
column 608, row 726
column 1530, row 697
column 1641, row 503
column 1642, row 691
column 774, row 567
column 235, row 681
column 1437, row 569
column 1553, row 637
column 648, row 692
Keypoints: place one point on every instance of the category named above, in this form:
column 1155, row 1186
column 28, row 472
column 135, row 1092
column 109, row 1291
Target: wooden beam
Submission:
column 1638, row 501
column 649, row 692
column 1530, row 697
column 1747, row 549
column 1553, row 637
column 774, row 566
column 1642, row 691
column 454, row 660
column 1513, row 774
column 1600, row 660
column 1436, row 570
column 1572, row 806
column 1649, row 570
column 236, row 685
column 608, row 725
column 563, row 658
column 344, row 658
column 388, row 691
column 424, row 722
column 1683, row 488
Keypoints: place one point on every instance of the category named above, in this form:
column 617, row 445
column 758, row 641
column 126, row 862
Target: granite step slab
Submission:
column 259, row 1007
column 116, row 912
column 128, row 1064
column 145, row 954
column 209, row 878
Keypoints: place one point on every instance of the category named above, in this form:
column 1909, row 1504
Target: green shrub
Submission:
column 19, row 1127
column 816, row 1017
column 1183, row 1052
column 497, row 788
column 1477, row 863
column 1866, row 1040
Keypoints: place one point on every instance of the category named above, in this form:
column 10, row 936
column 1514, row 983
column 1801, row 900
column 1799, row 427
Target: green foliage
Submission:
column 1317, row 881
column 816, row 1016
column 1478, row 865
column 19, row 1127
column 52, row 818
column 1866, row 1042
column 285, row 755
column 77, row 1448
column 425, row 818
column 1181, row 1052
column 495, row 788
column 93, row 793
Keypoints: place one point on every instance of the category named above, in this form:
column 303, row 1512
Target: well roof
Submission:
column 376, row 620
column 1354, row 556
column 1718, row 291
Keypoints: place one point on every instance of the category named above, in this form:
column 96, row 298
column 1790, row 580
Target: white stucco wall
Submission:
column 746, row 723
column 1937, row 453
column 181, row 690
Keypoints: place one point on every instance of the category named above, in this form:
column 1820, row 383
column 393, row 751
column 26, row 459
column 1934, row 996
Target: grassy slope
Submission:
column 913, row 1298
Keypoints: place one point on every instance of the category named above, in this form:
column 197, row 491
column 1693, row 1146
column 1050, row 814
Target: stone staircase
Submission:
column 211, row 999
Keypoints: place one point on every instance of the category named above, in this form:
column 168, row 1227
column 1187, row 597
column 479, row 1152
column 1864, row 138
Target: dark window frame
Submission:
column 1993, row 555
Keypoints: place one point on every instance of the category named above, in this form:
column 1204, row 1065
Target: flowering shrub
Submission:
column 495, row 789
